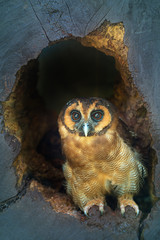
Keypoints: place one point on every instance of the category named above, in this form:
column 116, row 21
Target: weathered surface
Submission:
column 151, row 224
column 7, row 174
column 33, row 218
column 26, row 28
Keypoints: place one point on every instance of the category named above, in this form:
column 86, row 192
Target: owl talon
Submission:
column 92, row 203
column 128, row 202
column 122, row 207
column 86, row 213
column 101, row 209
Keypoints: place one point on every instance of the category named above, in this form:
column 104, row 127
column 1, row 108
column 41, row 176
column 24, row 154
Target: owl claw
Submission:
column 86, row 212
column 93, row 202
column 101, row 208
column 127, row 202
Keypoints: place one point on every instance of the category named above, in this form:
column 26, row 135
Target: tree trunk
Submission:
column 27, row 27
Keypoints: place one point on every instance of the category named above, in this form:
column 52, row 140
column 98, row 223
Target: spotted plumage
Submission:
column 98, row 159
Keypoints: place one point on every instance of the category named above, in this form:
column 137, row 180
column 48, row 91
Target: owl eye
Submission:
column 97, row 115
column 75, row 115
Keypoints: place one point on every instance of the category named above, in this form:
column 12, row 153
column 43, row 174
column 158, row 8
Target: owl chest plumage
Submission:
column 105, row 156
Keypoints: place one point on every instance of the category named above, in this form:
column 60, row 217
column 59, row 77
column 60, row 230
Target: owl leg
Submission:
column 127, row 200
column 98, row 202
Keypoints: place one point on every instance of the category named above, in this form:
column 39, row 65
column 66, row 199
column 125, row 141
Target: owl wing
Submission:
column 132, row 140
column 129, row 137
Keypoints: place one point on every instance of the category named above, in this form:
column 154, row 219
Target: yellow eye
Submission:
column 75, row 115
column 97, row 115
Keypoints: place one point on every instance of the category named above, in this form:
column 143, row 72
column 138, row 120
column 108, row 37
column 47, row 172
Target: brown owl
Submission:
column 98, row 159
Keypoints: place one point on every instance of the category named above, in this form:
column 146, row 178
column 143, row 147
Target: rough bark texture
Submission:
column 26, row 28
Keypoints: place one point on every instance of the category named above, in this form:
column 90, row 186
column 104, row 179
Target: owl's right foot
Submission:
column 128, row 202
column 92, row 203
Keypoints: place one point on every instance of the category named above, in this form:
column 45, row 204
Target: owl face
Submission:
column 87, row 116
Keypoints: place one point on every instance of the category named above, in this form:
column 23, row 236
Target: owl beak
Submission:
column 86, row 129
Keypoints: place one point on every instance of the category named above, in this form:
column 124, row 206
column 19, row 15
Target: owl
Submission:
column 99, row 161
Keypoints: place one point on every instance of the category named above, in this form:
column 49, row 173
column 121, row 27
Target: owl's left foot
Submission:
column 97, row 202
column 128, row 202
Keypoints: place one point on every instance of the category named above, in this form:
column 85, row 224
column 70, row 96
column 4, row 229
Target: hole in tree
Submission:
column 63, row 71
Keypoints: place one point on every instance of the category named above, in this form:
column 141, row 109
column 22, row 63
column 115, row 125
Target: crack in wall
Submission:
column 39, row 21
column 12, row 200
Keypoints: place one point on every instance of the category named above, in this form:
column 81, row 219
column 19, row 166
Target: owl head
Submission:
column 87, row 116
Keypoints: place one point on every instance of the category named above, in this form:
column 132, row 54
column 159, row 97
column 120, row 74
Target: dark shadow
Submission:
column 68, row 70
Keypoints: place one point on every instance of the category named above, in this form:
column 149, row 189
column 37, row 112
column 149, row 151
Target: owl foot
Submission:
column 93, row 202
column 128, row 202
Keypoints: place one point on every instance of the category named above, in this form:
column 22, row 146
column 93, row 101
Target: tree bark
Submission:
column 26, row 27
